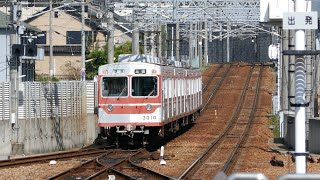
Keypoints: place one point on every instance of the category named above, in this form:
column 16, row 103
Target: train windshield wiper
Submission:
column 150, row 94
column 121, row 92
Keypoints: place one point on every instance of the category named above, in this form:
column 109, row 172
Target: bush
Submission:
column 274, row 125
column 46, row 78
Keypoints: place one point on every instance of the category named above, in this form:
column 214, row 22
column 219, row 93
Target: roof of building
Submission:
column 5, row 22
column 73, row 11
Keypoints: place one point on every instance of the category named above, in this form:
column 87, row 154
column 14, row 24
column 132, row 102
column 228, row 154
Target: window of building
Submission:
column 42, row 38
column 74, row 37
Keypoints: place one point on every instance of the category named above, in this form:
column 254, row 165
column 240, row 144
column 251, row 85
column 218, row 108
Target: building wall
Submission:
column 60, row 25
column 121, row 37
column 62, row 62
column 5, row 51
column 64, row 65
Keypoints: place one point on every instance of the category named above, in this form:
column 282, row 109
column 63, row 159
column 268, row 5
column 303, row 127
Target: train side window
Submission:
column 114, row 86
column 145, row 86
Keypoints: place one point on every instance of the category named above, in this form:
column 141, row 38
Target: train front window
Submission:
column 114, row 86
column 144, row 86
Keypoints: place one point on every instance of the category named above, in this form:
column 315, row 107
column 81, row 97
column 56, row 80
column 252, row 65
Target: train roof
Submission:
column 153, row 60
column 141, row 60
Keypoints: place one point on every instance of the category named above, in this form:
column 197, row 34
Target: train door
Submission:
column 175, row 94
column 171, row 92
column 199, row 91
column 165, row 94
column 183, row 94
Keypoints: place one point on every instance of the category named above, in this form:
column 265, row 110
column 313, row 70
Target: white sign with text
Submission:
column 300, row 20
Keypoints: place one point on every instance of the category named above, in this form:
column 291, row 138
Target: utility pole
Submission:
column 83, row 48
column 145, row 44
column 135, row 36
column 135, row 31
column 50, row 41
column 177, row 44
column 159, row 44
column 14, row 62
column 228, row 41
column 205, row 44
column 110, row 38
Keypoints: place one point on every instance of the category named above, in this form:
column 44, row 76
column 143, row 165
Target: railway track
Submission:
column 228, row 90
column 240, row 104
column 47, row 157
column 228, row 167
column 208, row 77
column 116, row 164
column 212, row 86
column 227, row 145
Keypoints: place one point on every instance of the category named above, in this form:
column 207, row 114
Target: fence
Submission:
column 51, row 116
column 4, row 100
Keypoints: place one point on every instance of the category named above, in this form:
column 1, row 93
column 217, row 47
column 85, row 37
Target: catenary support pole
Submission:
column 50, row 41
column 145, row 44
column 205, row 44
column 152, row 43
column 191, row 43
column 200, row 45
column 177, row 42
column 300, row 85
column 83, row 43
column 159, row 44
column 110, row 38
column 172, row 43
column 135, row 38
column 228, row 41
column 135, row 33
column 14, row 61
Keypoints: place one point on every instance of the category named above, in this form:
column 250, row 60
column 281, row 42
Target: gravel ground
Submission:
column 38, row 171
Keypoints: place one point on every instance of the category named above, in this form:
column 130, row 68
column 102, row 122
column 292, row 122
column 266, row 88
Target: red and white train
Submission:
column 142, row 99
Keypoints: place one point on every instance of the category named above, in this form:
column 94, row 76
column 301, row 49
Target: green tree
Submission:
column 125, row 48
column 100, row 57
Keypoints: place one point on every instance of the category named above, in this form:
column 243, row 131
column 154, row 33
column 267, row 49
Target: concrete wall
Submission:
column 49, row 119
column 6, row 137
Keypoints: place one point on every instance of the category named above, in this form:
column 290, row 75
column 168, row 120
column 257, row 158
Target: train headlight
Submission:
column 110, row 107
column 130, row 127
column 149, row 107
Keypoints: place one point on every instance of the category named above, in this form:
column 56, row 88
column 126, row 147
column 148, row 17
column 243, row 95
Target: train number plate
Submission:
column 149, row 117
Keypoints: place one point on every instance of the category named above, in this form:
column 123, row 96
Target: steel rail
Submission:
column 111, row 164
column 46, row 157
column 211, row 78
column 231, row 160
column 214, row 91
column 137, row 172
column 213, row 146
column 89, row 163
